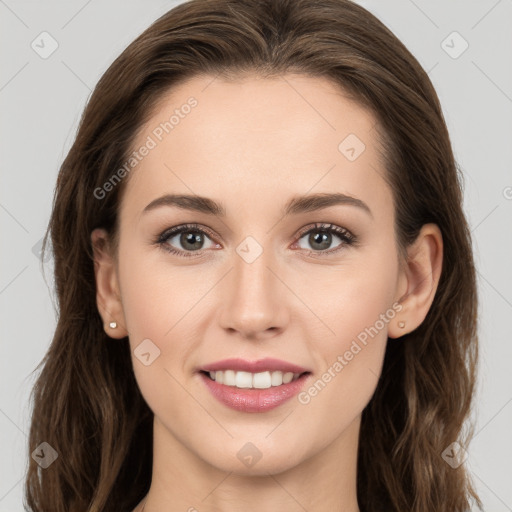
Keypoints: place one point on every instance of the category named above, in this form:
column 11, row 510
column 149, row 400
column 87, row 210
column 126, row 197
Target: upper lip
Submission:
column 261, row 365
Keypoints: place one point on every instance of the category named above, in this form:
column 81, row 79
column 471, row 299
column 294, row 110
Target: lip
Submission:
column 254, row 400
column 261, row 365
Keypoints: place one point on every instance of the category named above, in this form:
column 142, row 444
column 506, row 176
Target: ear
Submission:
column 108, row 297
column 418, row 280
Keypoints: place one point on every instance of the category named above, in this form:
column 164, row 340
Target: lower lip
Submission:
column 254, row 400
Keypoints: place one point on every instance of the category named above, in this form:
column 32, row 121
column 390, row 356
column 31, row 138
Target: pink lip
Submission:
column 262, row 365
column 254, row 400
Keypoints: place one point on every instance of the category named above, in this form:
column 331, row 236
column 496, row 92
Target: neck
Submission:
column 183, row 481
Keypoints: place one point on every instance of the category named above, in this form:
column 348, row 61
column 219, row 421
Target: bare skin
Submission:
column 252, row 145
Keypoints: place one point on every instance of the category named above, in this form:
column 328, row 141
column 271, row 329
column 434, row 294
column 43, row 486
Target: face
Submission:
column 265, row 274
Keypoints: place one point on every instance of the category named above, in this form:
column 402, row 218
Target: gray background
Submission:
column 41, row 101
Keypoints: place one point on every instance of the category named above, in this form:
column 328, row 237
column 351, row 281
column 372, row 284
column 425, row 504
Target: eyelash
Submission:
column 346, row 236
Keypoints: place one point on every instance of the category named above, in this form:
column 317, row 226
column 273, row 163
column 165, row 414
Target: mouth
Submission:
column 253, row 386
column 249, row 380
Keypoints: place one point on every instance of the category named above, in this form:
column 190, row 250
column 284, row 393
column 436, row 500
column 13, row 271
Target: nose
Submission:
column 253, row 301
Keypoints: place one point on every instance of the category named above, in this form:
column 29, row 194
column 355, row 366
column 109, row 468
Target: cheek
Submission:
column 353, row 296
column 153, row 293
column 357, row 308
column 148, row 298
column 153, row 309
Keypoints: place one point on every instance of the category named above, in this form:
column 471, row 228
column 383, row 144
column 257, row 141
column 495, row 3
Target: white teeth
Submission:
column 287, row 377
column 243, row 380
column 247, row 380
column 229, row 377
column 277, row 378
column 262, row 380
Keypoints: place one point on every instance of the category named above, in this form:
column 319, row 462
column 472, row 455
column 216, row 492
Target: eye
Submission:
column 320, row 238
column 190, row 237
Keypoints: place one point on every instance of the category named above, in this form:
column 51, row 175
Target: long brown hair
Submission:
column 86, row 402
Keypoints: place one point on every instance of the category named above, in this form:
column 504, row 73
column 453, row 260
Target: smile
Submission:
column 248, row 380
column 253, row 386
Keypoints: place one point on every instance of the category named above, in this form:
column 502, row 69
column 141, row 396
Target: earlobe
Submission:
column 421, row 277
column 108, row 299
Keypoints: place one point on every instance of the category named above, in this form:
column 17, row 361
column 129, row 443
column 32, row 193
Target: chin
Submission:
column 249, row 460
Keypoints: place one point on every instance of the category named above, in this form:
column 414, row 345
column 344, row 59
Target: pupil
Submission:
column 194, row 239
column 321, row 238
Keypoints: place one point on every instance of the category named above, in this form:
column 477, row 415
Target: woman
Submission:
column 265, row 279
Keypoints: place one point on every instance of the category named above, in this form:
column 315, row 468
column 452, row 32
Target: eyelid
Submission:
column 164, row 236
column 175, row 230
column 347, row 237
column 339, row 230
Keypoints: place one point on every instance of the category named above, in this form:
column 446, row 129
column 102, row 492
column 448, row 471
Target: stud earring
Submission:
column 112, row 325
column 401, row 324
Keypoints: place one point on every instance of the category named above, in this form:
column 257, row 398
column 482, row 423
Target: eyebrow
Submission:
column 296, row 205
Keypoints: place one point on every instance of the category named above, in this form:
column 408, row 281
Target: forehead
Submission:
column 254, row 137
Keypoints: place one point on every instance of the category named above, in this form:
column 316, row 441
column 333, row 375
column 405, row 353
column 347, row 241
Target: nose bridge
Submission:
column 253, row 302
column 251, row 273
